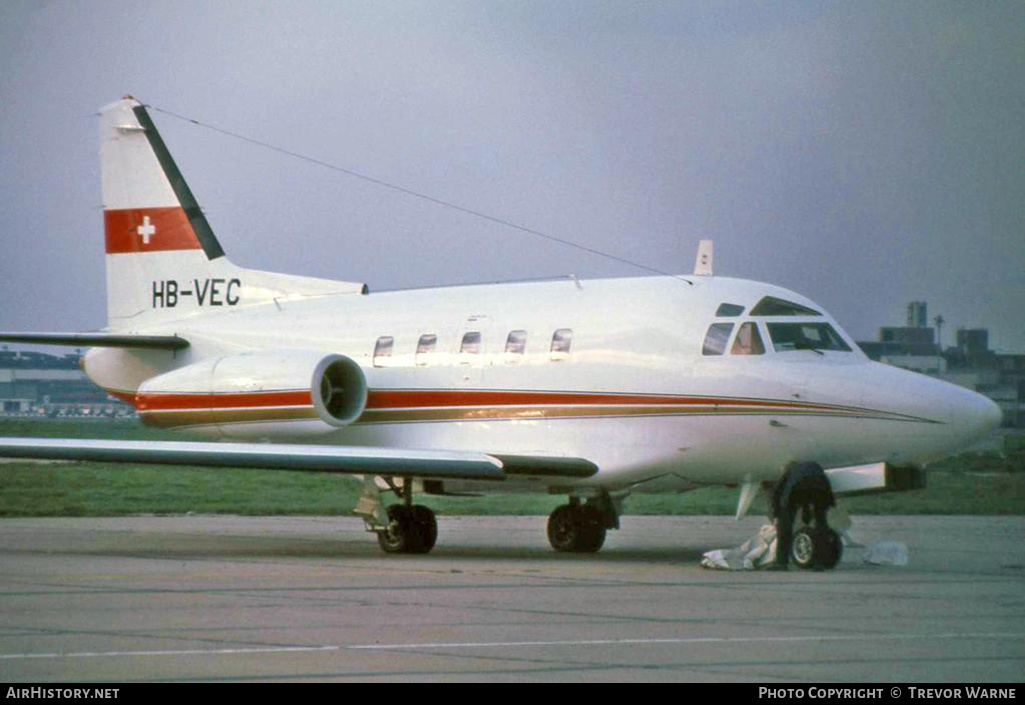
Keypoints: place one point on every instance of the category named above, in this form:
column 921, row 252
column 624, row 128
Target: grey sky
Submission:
column 864, row 154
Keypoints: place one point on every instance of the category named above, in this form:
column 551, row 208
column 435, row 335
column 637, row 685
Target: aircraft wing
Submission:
column 391, row 462
column 108, row 340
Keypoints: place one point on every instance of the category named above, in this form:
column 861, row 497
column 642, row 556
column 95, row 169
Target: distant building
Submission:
column 970, row 363
column 912, row 347
column 49, row 385
column 918, row 314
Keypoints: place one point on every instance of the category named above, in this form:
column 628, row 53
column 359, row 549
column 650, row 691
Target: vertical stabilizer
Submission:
column 163, row 260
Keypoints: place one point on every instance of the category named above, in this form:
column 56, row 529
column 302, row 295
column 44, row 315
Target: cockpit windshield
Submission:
column 771, row 306
column 806, row 336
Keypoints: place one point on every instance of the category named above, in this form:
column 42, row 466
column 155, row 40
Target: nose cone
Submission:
column 975, row 413
column 969, row 416
column 957, row 418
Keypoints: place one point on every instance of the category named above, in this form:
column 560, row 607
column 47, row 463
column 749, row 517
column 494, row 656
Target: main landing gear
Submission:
column 581, row 528
column 577, row 527
column 400, row 528
column 411, row 529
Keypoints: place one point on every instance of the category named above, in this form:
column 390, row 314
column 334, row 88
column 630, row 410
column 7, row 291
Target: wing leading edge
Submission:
column 317, row 458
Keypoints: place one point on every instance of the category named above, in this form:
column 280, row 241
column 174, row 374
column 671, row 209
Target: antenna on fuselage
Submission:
column 703, row 264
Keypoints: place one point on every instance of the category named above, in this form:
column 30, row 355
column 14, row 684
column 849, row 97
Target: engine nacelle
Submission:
column 257, row 394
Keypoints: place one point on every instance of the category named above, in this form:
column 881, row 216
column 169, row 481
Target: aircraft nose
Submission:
column 977, row 414
column 988, row 413
column 957, row 417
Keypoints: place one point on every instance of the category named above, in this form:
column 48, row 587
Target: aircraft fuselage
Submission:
column 636, row 391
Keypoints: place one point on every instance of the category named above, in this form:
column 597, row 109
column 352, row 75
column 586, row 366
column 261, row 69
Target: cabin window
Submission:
column 561, row 341
column 716, row 338
column 727, row 310
column 382, row 350
column 771, row 306
column 425, row 348
column 515, row 345
column 806, row 336
column 748, row 341
column 469, row 347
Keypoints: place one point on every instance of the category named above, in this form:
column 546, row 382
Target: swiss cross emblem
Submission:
column 146, row 230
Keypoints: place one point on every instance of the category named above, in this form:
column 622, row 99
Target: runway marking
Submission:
column 682, row 640
column 177, row 652
column 518, row 644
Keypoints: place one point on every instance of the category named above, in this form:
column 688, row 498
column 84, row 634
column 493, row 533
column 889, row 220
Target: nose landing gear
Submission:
column 805, row 489
column 812, row 546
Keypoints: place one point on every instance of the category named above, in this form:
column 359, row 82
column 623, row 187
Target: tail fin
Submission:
column 163, row 259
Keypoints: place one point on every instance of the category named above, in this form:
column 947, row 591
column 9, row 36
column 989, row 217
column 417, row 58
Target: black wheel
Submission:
column 575, row 529
column 399, row 537
column 563, row 529
column 425, row 529
column 802, row 551
column 832, row 549
column 592, row 535
column 809, row 544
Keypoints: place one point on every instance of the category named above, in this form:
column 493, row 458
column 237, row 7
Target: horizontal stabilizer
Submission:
column 101, row 340
column 390, row 462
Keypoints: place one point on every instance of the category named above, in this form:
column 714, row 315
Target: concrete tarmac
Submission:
column 205, row 598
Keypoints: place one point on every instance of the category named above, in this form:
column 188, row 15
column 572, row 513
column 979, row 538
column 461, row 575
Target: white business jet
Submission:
column 589, row 389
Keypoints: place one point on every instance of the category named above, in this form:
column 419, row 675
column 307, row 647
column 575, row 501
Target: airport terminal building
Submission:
column 39, row 384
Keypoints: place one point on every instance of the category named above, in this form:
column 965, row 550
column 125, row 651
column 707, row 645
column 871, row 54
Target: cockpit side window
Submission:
column 806, row 336
column 716, row 338
column 727, row 310
column 748, row 341
column 771, row 306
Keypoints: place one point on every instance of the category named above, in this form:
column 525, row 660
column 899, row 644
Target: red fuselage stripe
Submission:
column 387, row 399
column 175, row 401
column 417, row 399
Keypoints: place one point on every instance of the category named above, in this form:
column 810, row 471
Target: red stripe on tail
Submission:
column 148, row 230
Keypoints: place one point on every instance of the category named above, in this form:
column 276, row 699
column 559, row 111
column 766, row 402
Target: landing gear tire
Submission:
column 575, row 529
column 832, row 546
column 410, row 530
column 828, row 548
column 425, row 527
